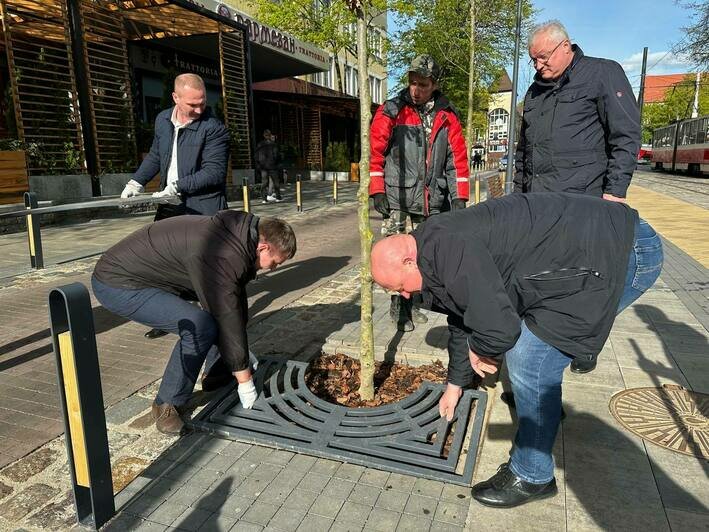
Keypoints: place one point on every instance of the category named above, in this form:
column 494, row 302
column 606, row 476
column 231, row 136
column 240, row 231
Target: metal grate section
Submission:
column 671, row 417
column 406, row 437
column 232, row 52
column 312, row 151
column 42, row 83
column 109, row 85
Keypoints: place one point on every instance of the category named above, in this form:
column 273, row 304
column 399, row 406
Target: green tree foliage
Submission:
column 677, row 105
column 442, row 28
column 695, row 44
column 324, row 23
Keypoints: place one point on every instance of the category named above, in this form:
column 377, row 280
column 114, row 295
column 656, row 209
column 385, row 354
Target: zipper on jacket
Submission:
column 563, row 273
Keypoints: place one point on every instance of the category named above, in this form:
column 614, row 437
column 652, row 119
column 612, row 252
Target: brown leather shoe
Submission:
column 167, row 419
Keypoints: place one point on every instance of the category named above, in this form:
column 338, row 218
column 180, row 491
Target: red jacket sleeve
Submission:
column 379, row 135
column 460, row 157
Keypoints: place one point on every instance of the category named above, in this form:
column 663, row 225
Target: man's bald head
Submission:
column 190, row 97
column 394, row 264
column 193, row 81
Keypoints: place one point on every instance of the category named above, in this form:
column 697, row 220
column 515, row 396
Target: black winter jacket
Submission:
column 580, row 133
column 202, row 156
column 267, row 155
column 556, row 261
column 212, row 258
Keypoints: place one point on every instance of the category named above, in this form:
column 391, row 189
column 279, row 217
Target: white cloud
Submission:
column 657, row 63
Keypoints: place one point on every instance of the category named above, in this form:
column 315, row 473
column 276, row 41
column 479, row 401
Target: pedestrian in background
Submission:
column 580, row 128
column 268, row 160
column 419, row 162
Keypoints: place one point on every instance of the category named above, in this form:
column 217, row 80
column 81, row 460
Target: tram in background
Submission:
column 683, row 145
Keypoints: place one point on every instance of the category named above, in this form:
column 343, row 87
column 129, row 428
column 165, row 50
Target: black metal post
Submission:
column 34, row 235
column 641, row 95
column 513, row 110
column 82, row 88
column 81, row 396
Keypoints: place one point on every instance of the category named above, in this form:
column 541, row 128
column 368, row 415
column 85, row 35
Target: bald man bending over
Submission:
column 538, row 278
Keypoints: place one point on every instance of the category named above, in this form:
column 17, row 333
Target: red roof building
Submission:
column 656, row 87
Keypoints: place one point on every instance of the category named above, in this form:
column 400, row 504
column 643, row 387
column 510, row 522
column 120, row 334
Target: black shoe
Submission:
column 155, row 333
column 506, row 490
column 399, row 314
column 583, row 366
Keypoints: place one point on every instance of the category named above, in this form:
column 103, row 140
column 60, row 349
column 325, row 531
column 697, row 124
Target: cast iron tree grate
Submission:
column 406, row 437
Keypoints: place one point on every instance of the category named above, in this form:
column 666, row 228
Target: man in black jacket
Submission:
column 581, row 126
column 539, row 277
column 190, row 151
column 268, row 158
column 212, row 259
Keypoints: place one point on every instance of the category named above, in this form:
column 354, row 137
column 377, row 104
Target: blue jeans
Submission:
column 162, row 310
column 536, row 369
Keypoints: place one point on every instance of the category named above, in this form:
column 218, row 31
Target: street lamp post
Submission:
column 513, row 110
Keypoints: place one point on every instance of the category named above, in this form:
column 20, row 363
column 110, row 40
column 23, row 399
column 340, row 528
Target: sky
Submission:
column 615, row 29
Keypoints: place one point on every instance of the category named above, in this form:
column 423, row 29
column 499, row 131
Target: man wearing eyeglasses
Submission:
column 581, row 125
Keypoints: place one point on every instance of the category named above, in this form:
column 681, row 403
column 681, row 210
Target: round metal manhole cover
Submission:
column 671, row 417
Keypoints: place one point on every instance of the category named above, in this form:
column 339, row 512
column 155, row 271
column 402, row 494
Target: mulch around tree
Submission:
column 335, row 378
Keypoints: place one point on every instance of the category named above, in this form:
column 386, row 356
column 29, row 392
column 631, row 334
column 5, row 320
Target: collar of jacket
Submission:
column 564, row 78
column 404, row 98
column 194, row 125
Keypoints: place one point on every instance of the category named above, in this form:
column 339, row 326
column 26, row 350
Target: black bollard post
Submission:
column 34, row 235
column 80, row 393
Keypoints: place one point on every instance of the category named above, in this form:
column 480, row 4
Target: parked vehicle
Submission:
column 645, row 154
column 683, row 145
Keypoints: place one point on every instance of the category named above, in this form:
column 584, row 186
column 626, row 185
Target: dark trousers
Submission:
column 162, row 310
column 270, row 183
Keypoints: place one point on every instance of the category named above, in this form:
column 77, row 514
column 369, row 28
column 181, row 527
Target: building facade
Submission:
column 498, row 118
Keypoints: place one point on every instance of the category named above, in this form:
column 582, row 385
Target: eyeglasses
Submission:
column 544, row 60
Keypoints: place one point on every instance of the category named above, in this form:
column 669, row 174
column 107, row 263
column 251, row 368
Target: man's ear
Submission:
column 263, row 245
column 409, row 260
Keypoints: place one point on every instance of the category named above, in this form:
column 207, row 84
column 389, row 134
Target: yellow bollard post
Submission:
column 477, row 188
column 245, row 192
column 298, row 197
column 334, row 189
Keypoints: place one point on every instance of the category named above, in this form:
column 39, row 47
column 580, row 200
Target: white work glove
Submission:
column 169, row 190
column 253, row 360
column 247, row 393
column 132, row 188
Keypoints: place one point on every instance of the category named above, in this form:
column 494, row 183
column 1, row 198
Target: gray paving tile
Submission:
column 149, row 526
column 343, row 526
column 258, row 453
column 192, row 519
column 392, row 500
column 289, row 478
column 200, row 458
column 681, row 520
column 235, row 506
column 260, row 513
column 287, row 519
column 326, row 505
column 222, row 462
column 275, row 493
column 266, row 472
column 354, row 512
column 413, row 523
column 279, row 457
column 301, row 462
column 245, row 526
column 382, row 520
column 374, row 477
column 314, row 482
column 453, row 492
column 339, row 488
column 187, row 495
column 349, row 472
column 205, row 478
column 324, row 466
column 400, row 482
column 218, row 523
column 449, row 512
column 315, row 523
column 428, row 488
column 166, row 513
column 364, row 494
column 300, row 499
column 251, row 488
column 421, row 506
column 448, row 527
column 235, row 449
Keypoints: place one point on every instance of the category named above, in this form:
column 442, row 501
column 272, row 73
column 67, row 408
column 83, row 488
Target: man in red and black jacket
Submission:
column 418, row 163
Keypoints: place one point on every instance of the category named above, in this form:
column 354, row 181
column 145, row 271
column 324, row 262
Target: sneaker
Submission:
column 167, row 419
column 278, row 200
column 271, row 199
column 264, row 201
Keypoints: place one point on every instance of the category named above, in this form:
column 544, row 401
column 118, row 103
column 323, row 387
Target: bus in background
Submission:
column 683, row 145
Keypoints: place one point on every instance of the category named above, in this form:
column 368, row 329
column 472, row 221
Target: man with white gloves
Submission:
column 148, row 274
column 190, row 150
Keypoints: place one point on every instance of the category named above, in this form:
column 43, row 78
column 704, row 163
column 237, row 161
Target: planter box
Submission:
column 13, row 177
column 340, row 176
column 61, row 188
column 113, row 184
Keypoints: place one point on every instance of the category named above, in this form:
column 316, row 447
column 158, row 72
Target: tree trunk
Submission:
column 471, row 80
column 338, row 69
column 366, row 350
